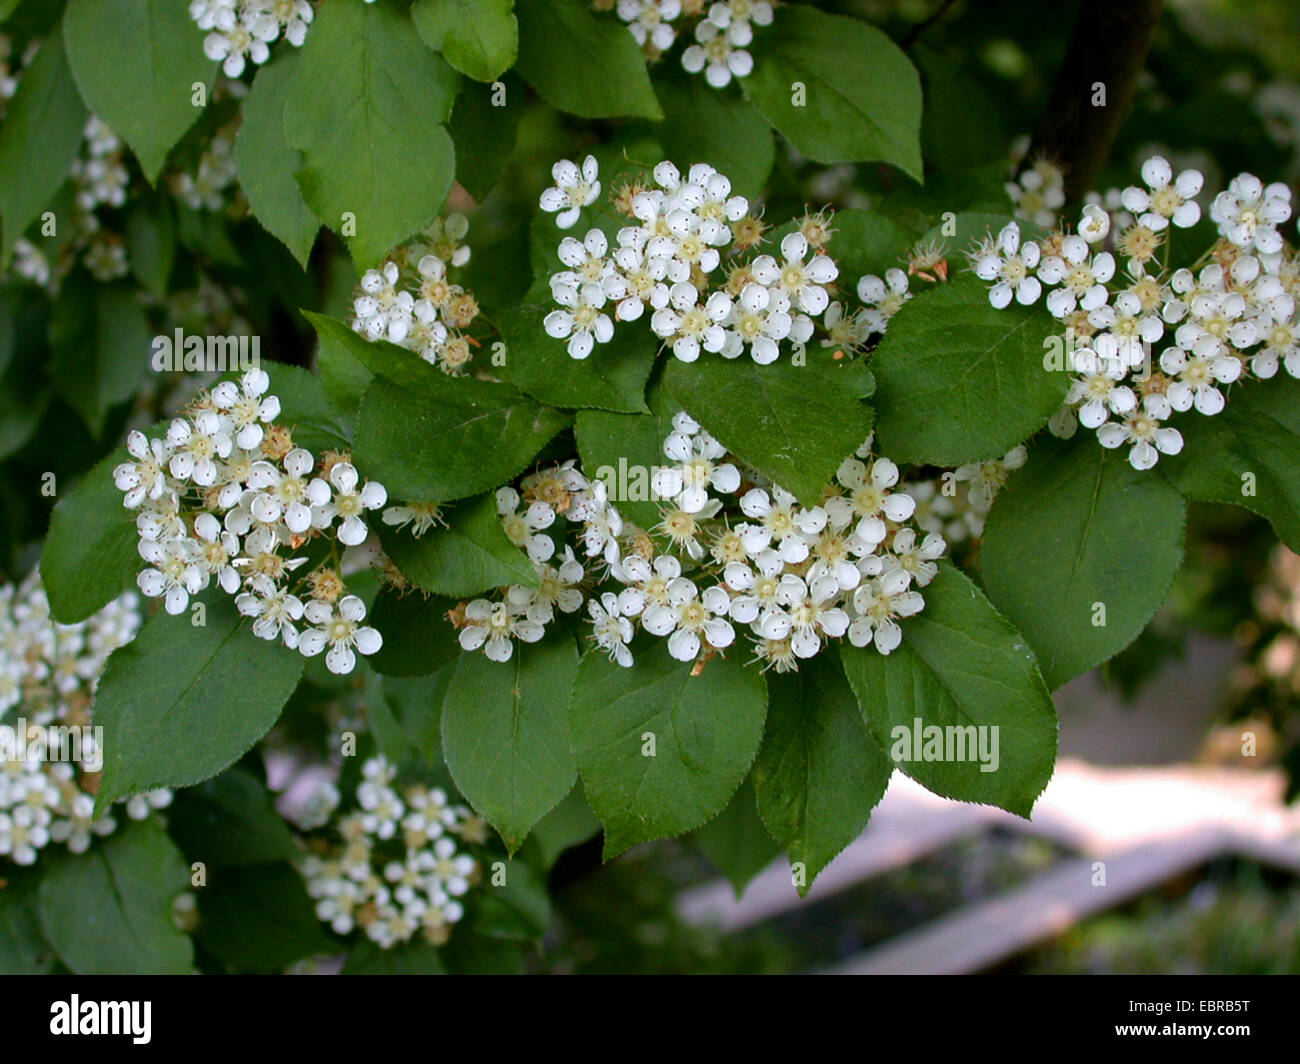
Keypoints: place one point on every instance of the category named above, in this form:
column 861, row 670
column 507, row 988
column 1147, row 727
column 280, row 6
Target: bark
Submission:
column 1108, row 46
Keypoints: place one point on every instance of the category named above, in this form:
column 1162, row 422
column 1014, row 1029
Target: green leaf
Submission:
column 961, row 666
column 793, row 423
column 612, row 378
column 260, row 919
column 588, row 66
column 151, row 242
column 958, row 381
column 24, row 398
column 379, row 357
column 344, row 377
column 480, row 38
column 418, row 638
column 867, row 242
column 1247, row 456
column 962, row 123
column 472, row 554
column 109, row 911
column 416, row 704
column 184, row 701
column 39, row 140
column 90, row 553
column 568, row 824
column 230, row 821
column 1079, row 552
column 721, row 128
column 737, row 842
column 101, row 343
column 517, row 910
column 23, row 949
column 705, row 732
column 455, row 439
column 366, row 107
column 267, row 163
column 484, row 133
column 819, row 774
column 136, row 63
column 416, row 958
column 305, row 410
column 621, row 449
column 503, row 734
column 862, row 96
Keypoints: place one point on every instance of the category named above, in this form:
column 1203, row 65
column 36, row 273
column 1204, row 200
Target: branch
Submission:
column 1109, row 45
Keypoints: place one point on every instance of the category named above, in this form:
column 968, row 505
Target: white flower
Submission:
column 1082, row 279
column 688, row 617
column 1143, row 430
column 573, row 190
column 759, row 318
column 1170, row 199
column 524, row 529
column 612, row 631
column 698, row 469
column 1094, row 225
column 274, row 609
column 421, row 516
column 1248, row 213
column 21, row 834
column 384, row 311
column 883, row 298
column 1197, row 376
column 650, row 21
column 175, row 573
column 195, row 444
column 917, row 559
column 144, row 478
column 557, row 590
column 491, row 626
column 719, row 53
column 1129, row 324
column 877, row 603
column 801, row 281
column 647, row 582
column 1011, row 267
column 869, row 498
column 1098, row 394
column 584, row 323
column 244, row 406
column 286, row 494
column 807, row 617
column 341, row 631
column 350, row 504
column 217, row 550
column 689, row 325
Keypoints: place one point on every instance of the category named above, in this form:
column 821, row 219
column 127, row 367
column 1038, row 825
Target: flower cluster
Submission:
column 242, row 30
column 225, row 497
column 417, row 306
column 394, row 864
column 722, row 33
column 666, row 261
column 1229, row 316
column 48, row 673
column 731, row 549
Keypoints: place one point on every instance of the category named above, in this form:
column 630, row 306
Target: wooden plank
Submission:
column 983, row 933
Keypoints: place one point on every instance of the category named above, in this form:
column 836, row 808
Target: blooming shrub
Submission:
column 453, row 433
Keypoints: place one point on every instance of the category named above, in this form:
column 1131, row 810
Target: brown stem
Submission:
column 1108, row 47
